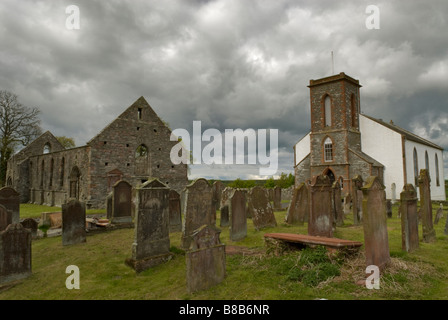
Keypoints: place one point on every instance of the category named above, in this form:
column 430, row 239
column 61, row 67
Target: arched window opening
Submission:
column 427, row 163
column 42, row 171
column 61, row 174
column 437, row 170
column 328, row 150
column 415, row 168
column 47, row 148
column 51, row 172
column 327, row 111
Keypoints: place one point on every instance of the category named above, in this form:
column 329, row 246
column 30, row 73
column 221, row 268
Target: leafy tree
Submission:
column 238, row 183
column 66, row 142
column 19, row 125
column 270, row 183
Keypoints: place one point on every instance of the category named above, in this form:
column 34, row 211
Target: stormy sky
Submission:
column 228, row 63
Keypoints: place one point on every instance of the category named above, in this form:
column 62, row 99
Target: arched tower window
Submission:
column 415, row 167
column 51, row 172
column 42, row 171
column 426, row 161
column 327, row 111
column 328, row 150
column 47, row 148
column 437, row 170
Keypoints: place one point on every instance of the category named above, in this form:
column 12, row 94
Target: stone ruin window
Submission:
column 327, row 111
column 415, row 168
column 437, row 171
column 328, row 150
column 61, row 175
column 47, row 148
column 139, row 113
column 51, row 172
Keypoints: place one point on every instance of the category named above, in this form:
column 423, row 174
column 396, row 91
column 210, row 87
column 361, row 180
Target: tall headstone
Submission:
column 357, row 183
column 237, row 215
column 206, row 259
column 375, row 223
column 347, row 204
column 10, row 199
column 338, row 213
column 217, row 187
column 175, row 212
column 299, row 208
column 389, row 208
column 151, row 244
column 73, row 222
column 321, row 216
column 429, row 234
column 224, row 207
column 5, row 217
column 439, row 214
column 15, row 253
column 261, row 209
column 277, row 198
column 121, row 203
column 197, row 208
column 409, row 218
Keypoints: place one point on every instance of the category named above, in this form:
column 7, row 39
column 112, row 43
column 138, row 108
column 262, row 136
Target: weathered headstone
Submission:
column 121, row 203
column 73, row 222
column 10, row 199
column 409, row 218
column 261, row 209
column 299, row 208
column 347, row 204
column 389, row 208
column 5, row 218
column 31, row 224
column 109, row 205
column 375, row 223
column 151, row 237
column 237, row 216
column 277, row 198
column 206, row 259
column 446, row 226
column 217, row 187
column 338, row 214
column 321, row 216
column 175, row 212
column 429, row 234
column 357, row 183
column 15, row 253
column 439, row 214
column 196, row 210
column 224, row 206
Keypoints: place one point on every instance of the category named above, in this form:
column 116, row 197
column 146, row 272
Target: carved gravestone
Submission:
column 429, row 234
column 15, row 253
column 338, row 214
column 31, row 224
column 217, row 187
column 299, row 208
column 5, row 218
column 73, row 222
column 151, row 244
column 439, row 214
column 357, row 183
column 224, row 207
column 409, row 218
column 347, row 204
column 277, row 198
column 375, row 223
column 121, row 203
column 321, row 216
column 175, row 212
column 237, row 215
column 389, row 208
column 10, row 199
column 261, row 209
column 197, row 208
column 206, row 259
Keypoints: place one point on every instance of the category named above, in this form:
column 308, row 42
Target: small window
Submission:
column 138, row 128
column 155, row 130
column 47, row 148
column 415, row 168
column 139, row 113
column 328, row 150
column 106, row 164
column 327, row 111
column 437, row 171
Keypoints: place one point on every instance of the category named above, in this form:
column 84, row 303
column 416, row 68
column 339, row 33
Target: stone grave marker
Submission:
column 429, row 234
column 31, row 224
column 347, row 204
column 375, row 223
column 357, row 183
column 151, row 244
column 197, row 208
column 224, row 207
column 73, row 222
column 205, row 259
column 299, row 208
column 439, row 214
column 338, row 213
column 121, row 203
column 277, row 198
column 217, row 187
column 15, row 253
column 261, row 209
column 237, row 215
column 10, row 199
column 321, row 216
column 175, row 212
column 389, row 208
column 409, row 218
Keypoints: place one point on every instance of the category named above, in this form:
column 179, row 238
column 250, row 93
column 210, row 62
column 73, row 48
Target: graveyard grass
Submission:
column 254, row 275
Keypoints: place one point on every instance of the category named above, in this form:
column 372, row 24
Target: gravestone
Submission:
column 439, row 214
column 73, row 222
column 357, row 183
column 375, row 223
column 121, row 203
column 261, row 209
column 15, row 253
column 338, row 214
column 5, row 218
column 151, row 244
column 205, row 259
column 175, row 212
column 31, row 224
column 237, row 216
column 109, row 205
column 409, row 218
column 347, row 204
column 429, row 234
column 197, row 208
column 277, row 198
column 10, row 199
column 224, row 206
column 299, row 208
column 217, row 187
column 389, row 208
column 321, row 216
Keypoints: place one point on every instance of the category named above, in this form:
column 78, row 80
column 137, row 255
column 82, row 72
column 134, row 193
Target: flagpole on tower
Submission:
column 332, row 63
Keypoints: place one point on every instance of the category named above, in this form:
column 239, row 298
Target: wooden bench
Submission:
column 302, row 240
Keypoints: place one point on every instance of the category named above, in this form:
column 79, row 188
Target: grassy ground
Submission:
column 103, row 274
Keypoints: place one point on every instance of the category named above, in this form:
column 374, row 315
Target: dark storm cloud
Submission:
column 227, row 63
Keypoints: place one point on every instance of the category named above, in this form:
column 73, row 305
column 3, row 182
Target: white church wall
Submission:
column 385, row 146
column 302, row 149
column 437, row 191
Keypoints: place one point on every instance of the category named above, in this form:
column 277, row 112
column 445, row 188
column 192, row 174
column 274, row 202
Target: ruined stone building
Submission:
column 344, row 143
column 134, row 147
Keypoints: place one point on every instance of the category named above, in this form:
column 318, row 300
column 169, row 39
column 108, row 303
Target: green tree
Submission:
column 66, row 142
column 270, row 183
column 19, row 125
